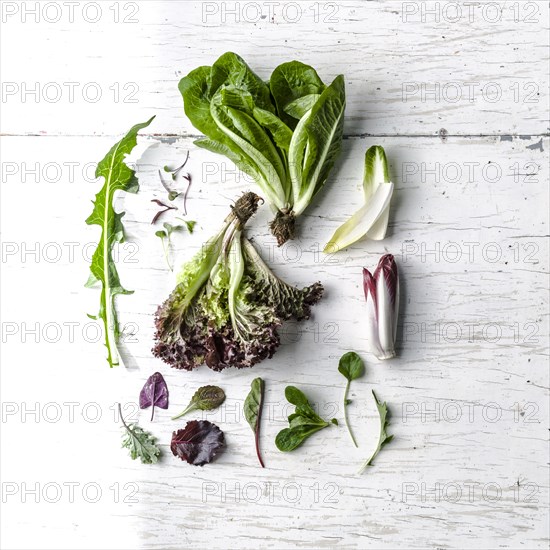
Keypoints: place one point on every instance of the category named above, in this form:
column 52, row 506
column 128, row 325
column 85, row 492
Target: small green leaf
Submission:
column 190, row 226
column 161, row 234
column 302, row 423
column 206, row 398
column 253, row 411
column 351, row 366
column 295, row 396
column 173, row 195
column 171, row 228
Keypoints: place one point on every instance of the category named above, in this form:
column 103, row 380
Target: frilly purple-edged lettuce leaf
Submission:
column 228, row 304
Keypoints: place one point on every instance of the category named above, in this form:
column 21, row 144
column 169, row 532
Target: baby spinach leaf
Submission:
column 351, row 366
column 302, row 423
column 198, row 443
column 206, row 398
column 140, row 443
column 118, row 177
column 154, row 393
column 384, row 438
column 253, row 411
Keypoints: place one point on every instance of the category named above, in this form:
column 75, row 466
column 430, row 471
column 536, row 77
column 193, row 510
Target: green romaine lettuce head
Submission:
column 285, row 134
column 228, row 304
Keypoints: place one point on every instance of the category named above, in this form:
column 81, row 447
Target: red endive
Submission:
column 382, row 295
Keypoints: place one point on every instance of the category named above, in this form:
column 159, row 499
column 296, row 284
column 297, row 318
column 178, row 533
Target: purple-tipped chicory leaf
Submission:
column 382, row 296
column 198, row 443
column 154, row 393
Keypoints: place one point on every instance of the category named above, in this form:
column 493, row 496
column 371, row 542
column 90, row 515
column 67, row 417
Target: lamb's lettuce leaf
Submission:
column 118, row 177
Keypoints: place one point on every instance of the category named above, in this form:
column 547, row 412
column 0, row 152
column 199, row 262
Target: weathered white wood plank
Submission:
column 473, row 347
column 412, row 68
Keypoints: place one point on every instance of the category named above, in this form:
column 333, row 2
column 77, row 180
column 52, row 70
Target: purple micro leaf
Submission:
column 198, row 443
column 154, row 393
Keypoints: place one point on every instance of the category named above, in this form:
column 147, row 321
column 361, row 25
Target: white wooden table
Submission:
column 458, row 96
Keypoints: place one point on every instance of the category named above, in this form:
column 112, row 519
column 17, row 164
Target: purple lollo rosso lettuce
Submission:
column 228, row 304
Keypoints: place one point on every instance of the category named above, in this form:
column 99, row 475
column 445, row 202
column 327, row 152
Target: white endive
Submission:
column 382, row 295
column 371, row 220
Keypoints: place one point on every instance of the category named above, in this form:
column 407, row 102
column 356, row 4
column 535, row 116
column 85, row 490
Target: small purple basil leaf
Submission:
column 154, row 393
column 198, row 443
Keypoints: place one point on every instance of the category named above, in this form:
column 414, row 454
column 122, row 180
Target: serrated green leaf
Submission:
column 118, row 177
column 384, row 438
column 141, row 444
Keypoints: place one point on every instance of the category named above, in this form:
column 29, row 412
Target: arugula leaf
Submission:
column 302, row 423
column 206, row 398
column 140, row 443
column 118, row 177
column 351, row 366
column 253, row 411
column 384, row 438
